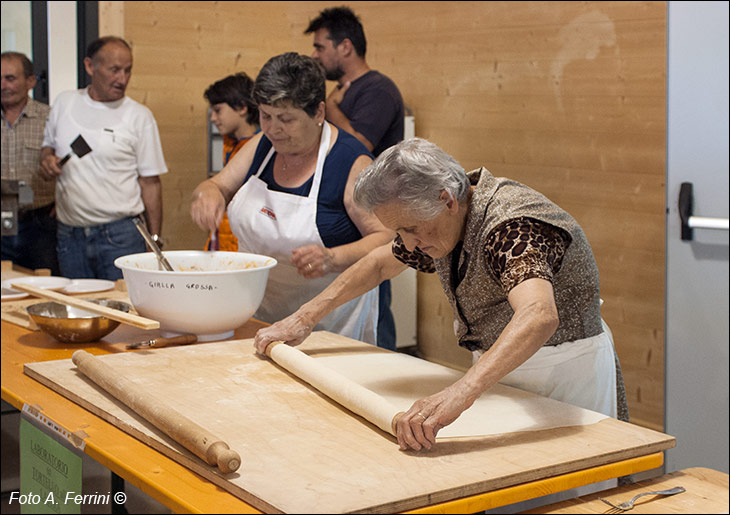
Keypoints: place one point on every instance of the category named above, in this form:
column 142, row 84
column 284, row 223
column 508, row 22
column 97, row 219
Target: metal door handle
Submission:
column 689, row 222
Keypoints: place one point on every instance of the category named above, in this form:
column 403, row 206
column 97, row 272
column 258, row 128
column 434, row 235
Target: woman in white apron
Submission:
column 278, row 189
column 517, row 270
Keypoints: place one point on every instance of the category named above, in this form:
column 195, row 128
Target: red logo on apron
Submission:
column 268, row 212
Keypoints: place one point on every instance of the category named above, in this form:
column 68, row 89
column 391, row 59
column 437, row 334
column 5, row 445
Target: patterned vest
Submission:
column 481, row 310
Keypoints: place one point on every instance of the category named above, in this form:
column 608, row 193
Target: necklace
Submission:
column 283, row 164
column 297, row 164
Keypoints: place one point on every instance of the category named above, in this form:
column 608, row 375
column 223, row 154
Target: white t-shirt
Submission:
column 102, row 186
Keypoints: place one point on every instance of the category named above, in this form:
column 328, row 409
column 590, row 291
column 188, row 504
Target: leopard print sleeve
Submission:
column 416, row 259
column 523, row 248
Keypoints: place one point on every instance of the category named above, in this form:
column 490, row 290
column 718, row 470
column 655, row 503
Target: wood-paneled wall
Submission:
column 567, row 97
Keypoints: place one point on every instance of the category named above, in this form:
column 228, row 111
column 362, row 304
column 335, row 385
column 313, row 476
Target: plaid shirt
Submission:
column 21, row 152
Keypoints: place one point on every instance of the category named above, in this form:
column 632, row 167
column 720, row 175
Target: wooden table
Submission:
column 179, row 488
column 706, row 492
column 166, row 481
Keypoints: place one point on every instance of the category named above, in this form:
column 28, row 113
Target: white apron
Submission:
column 581, row 373
column 274, row 223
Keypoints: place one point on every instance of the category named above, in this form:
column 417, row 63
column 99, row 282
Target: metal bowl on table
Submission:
column 69, row 324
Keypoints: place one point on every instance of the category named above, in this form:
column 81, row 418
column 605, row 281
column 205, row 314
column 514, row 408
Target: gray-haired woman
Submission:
column 517, row 270
column 289, row 195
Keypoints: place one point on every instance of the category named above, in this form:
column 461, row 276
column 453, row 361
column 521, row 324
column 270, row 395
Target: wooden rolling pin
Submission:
column 114, row 314
column 358, row 399
column 177, row 426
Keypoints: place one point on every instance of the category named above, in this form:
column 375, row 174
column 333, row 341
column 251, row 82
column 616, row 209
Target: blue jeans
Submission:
column 35, row 244
column 89, row 252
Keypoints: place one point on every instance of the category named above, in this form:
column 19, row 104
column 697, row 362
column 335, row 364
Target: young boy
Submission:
column 236, row 116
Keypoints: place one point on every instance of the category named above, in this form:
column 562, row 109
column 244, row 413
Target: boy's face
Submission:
column 227, row 119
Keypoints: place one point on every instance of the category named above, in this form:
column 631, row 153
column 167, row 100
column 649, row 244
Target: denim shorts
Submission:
column 89, row 252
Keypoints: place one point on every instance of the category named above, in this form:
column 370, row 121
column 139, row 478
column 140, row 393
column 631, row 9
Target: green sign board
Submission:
column 50, row 473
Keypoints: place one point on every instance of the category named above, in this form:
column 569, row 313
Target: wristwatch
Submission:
column 158, row 240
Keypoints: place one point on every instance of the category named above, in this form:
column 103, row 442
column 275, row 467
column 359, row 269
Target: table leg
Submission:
column 117, row 486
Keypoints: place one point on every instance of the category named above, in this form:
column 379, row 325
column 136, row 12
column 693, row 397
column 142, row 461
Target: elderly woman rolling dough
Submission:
column 517, row 270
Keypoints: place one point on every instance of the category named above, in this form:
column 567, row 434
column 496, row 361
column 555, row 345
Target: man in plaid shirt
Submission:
column 23, row 121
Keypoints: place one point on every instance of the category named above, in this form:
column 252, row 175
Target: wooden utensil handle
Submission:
column 394, row 422
column 184, row 431
column 270, row 347
column 114, row 314
column 174, row 340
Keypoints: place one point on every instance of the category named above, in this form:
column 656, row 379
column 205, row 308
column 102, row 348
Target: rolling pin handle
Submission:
column 393, row 424
column 270, row 347
column 227, row 459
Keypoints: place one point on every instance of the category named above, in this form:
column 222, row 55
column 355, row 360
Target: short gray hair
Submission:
column 99, row 43
column 414, row 173
column 291, row 78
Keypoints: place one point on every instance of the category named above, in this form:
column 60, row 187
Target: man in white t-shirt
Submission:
column 99, row 193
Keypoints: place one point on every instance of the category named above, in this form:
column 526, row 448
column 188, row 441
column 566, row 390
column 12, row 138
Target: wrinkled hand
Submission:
column 49, row 167
column 337, row 94
column 292, row 330
column 418, row 427
column 313, row 261
column 207, row 208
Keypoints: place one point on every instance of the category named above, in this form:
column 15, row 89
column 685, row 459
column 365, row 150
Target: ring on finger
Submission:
column 309, row 266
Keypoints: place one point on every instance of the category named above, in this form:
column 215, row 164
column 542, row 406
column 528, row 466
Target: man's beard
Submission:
column 334, row 73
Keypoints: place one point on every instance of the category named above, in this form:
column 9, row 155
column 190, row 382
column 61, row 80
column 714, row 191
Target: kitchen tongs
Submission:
column 142, row 228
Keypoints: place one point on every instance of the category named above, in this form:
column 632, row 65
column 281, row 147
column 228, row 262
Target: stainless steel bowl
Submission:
column 69, row 324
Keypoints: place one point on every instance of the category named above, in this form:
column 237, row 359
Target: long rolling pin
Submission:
column 358, row 399
column 184, row 431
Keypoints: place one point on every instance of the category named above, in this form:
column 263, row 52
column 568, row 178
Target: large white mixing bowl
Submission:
column 209, row 294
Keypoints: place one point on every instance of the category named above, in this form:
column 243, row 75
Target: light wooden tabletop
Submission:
column 176, row 486
column 706, row 491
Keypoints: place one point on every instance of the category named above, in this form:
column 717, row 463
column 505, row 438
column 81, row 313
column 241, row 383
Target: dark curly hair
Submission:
column 342, row 24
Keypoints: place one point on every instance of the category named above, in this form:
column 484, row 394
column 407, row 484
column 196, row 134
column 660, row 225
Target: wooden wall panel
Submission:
column 567, row 97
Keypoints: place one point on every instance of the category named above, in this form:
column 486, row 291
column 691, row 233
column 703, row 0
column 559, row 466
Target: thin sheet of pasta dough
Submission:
column 402, row 379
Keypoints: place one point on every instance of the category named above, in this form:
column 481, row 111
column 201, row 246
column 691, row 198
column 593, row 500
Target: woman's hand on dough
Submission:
column 418, row 427
column 292, row 330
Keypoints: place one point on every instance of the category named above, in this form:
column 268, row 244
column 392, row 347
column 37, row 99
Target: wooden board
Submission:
column 303, row 453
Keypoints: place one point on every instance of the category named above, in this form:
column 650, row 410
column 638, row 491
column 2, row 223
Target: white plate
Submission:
column 8, row 294
column 88, row 286
column 47, row 282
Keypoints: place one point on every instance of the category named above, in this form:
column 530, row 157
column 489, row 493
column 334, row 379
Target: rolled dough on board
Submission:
column 398, row 380
column 347, row 393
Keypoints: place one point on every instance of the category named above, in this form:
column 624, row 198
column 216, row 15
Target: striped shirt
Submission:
column 21, row 152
